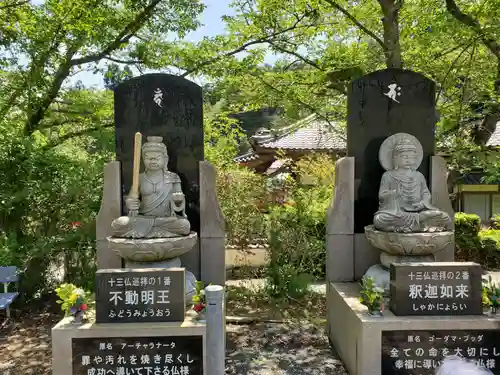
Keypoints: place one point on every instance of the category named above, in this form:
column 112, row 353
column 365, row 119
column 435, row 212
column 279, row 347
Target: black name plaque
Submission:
column 175, row 355
column 140, row 295
column 422, row 352
column 438, row 288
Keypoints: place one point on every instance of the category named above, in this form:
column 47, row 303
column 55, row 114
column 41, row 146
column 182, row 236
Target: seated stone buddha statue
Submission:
column 159, row 212
column 404, row 199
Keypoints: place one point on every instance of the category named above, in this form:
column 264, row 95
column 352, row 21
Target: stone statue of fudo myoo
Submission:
column 156, row 204
column 156, row 230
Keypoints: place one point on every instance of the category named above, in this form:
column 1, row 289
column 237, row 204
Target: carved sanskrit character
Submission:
column 404, row 199
column 161, row 205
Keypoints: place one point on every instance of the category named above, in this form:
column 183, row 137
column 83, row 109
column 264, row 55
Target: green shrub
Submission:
column 467, row 224
column 467, row 242
column 240, row 191
column 491, row 234
column 495, row 222
column 474, row 244
column 49, row 200
column 296, row 231
column 242, row 195
column 296, row 251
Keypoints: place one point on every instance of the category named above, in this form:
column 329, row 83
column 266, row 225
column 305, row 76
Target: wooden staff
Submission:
column 134, row 191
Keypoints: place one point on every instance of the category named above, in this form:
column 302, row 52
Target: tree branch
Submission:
column 453, row 49
column 357, row 23
column 474, row 24
column 61, row 74
column 11, row 101
column 243, row 47
column 119, row 61
column 122, row 38
column 13, row 5
column 297, row 55
column 65, row 67
column 72, row 112
column 80, row 133
column 304, row 104
column 460, row 16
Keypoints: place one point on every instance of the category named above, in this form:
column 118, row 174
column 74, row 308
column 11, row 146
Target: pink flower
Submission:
column 75, row 224
column 198, row 307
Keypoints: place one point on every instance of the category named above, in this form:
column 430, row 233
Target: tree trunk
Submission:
column 497, row 81
column 390, row 22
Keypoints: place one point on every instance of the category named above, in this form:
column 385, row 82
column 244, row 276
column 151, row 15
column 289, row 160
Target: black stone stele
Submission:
column 140, row 295
column 176, row 355
column 421, row 352
column 451, row 288
column 170, row 107
column 377, row 109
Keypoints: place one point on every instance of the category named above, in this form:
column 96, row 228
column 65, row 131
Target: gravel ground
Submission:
column 279, row 349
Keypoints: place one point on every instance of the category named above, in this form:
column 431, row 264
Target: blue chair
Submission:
column 8, row 275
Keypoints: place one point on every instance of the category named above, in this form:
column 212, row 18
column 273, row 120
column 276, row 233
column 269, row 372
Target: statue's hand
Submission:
column 132, row 204
column 178, row 197
column 418, row 206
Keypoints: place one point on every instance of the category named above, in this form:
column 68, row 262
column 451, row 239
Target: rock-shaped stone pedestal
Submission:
column 403, row 248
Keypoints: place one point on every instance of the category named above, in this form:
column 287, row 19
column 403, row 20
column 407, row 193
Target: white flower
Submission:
column 378, row 289
column 79, row 292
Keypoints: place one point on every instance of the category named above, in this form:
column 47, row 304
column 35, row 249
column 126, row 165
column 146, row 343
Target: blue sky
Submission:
column 211, row 25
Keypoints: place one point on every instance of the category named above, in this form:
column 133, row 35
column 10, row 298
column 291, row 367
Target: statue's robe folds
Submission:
column 398, row 214
column 157, row 217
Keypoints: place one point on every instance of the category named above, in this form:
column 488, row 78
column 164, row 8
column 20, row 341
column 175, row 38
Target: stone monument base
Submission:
column 381, row 272
column 65, row 331
column 170, row 263
column 357, row 336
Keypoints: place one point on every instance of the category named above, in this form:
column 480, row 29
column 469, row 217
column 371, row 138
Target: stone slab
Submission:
column 373, row 115
column 339, row 257
column 213, row 221
column 340, row 224
column 438, row 185
column 357, row 336
column 340, row 213
column 437, row 288
column 65, row 332
column 212, row 237
column 365, row 255
column 213, row 260
column 140, row 295
column 176, row 114
column 171, row 107
column 111, row 207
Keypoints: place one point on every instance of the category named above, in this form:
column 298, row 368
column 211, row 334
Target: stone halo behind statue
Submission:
column 406, row 226
column 386, row 150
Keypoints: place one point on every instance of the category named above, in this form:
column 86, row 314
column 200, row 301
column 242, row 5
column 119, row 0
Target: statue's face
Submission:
column 405, row 159
column 154, row 160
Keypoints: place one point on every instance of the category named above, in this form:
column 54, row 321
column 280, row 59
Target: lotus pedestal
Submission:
column 157, row 253
column 403, row 248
